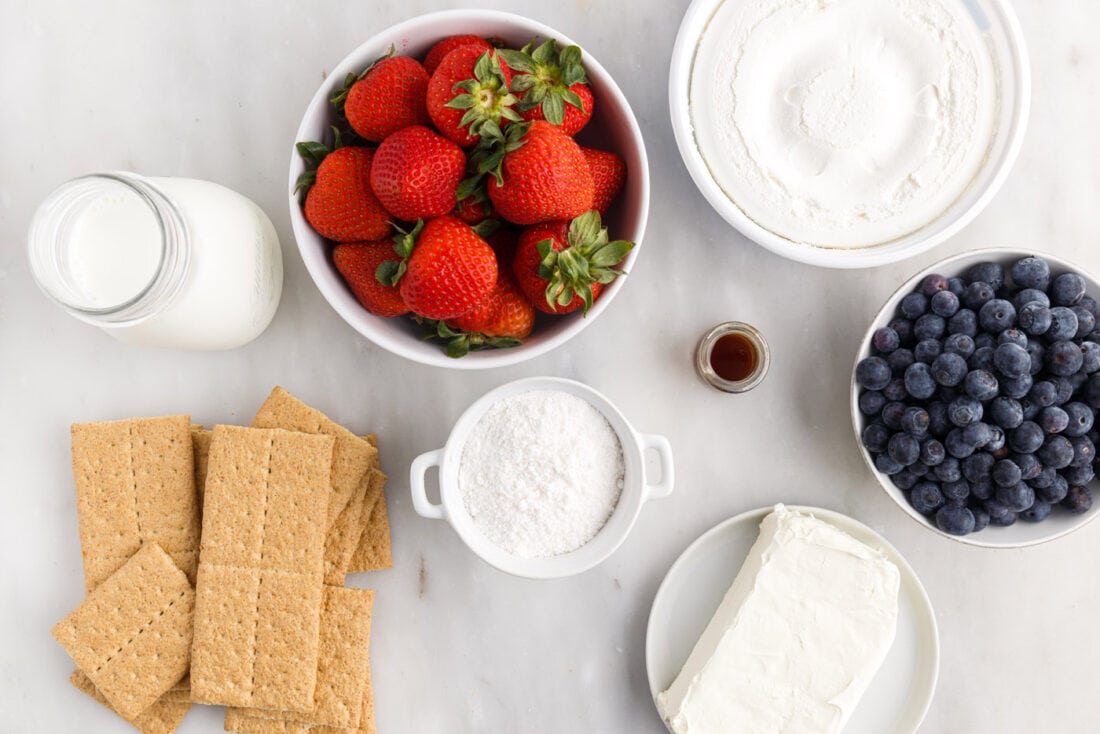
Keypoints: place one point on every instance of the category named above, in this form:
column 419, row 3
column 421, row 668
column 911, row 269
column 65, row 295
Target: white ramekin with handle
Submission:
column 637, row 488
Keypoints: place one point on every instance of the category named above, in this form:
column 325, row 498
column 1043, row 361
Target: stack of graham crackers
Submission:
column 214, row 565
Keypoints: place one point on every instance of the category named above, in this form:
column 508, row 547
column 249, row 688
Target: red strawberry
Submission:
column 473, row 210
column 504, row 241
column 358, row 262
column 448, row 269
column 469, row 88
column 551, row 85
column 543, row 174
column 562, row 266
column 505, row 313
column 444, row 47
column 608, row 174
column 339, row 203
column 416, row 172
column 388, row 96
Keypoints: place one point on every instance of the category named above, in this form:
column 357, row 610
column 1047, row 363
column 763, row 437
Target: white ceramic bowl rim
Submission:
column 1021, row 534
column 1015, row 65
column 329, row 282
column 636, row 490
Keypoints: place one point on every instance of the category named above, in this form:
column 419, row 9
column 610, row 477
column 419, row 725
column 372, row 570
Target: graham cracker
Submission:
column 132, row 635
column 241, row 723
column 258, row 605
column 351, row 457
column 200, row 445
column 343, row 665
column 343, row 537
column 163, row 717
column 366, row 718
column 372, row 439
column 135, row 483
column 374, row 552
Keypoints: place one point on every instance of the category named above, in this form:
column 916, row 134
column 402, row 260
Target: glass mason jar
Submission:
column 162, row 262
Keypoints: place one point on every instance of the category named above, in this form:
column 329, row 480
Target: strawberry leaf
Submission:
column 518, row 61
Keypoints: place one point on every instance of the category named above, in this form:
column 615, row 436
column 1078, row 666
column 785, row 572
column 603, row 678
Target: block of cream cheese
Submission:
column 797, row 638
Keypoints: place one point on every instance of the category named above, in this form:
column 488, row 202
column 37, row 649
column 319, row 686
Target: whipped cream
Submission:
column 796, row 640
column 843, row 123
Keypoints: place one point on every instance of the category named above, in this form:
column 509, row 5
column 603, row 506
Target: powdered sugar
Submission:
column 541, row 473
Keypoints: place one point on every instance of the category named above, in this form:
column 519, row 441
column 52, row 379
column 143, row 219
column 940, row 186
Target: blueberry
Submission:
column 985, row 341
column 1016, row 387
column 1065, row 390
column 949, row 369
column 998, row 510
column 964, row 410
column 955, row 520
column 1056, row 451
column 987, row 272
column 1088, row 303
column 1064, row 358
column 1030, row 295
column 957, row 490
column 1012, row 336
column 895, row 391
column 904, row 449
column 948, row 470
column 885, row 340
column 1053, row 419
column 919, row 381
column 904, row 480
column 899, row 360
column 891, row 415
column 1036, row 513
column 997, row 315
column 919, row 469
column 927, row 350
column 1086, row 321
column 979, row 384
column 962, row 345
column 1031, row 272
column 1031, row 408
column 1084, row 452
column 904, row 329
column 1078, row 500
column 1056, row 492
column 1045, row 478
column 982, row 489
column 932, row 452
column 1006, row 473
column 957, row 445
column 981, row 519
column 875, row 437
column 930, row 326
column 915, row 421
column 1017, row 497
column 1037, row 353
column 1078, row 379
column 914, row 306
column 1090, row 357
column 977, row 466
column 956, row 286
column 1006, row 412
column 1063, row 324
column 873, row 373
column 1081, row 419
column 1044, row 393
column 926, row 497
column 1092, row 392
column 976, row 295
column 964, row 321
column 871, row 402
column 1030, row 467
column 978, row 435
column 1079, row 475
column 1034, row 319
column 1011, row 360
column 887, row 465
column 945, row 304
column 997, row 443
column 1027, row 438
column 1067, row 289
column 982, row 359
column 938, row 425
column 932, row 284
column 1005, row 521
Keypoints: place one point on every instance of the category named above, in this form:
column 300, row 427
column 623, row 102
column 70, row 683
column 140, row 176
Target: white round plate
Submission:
column 901, row 692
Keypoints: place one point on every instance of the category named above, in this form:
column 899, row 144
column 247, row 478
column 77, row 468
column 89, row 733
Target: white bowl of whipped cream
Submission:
column 542, row 477
column 849, row 133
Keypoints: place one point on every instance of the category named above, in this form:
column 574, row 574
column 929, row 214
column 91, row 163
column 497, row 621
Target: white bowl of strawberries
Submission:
column 469, row 189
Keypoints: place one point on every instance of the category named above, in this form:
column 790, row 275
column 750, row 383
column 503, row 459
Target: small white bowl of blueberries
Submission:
column 975, row 394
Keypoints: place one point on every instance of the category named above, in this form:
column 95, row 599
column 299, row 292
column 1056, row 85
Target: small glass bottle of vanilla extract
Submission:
column 733, row 357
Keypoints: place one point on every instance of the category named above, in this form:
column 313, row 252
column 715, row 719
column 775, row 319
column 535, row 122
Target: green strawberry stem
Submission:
column 485, row 98
column 495, row 143
column 390, row 272
column 588, row 258
column 459, row 342
column 313, row 153
column 545, row 76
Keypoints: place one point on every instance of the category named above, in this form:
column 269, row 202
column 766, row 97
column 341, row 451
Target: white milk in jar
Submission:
column 161, row 262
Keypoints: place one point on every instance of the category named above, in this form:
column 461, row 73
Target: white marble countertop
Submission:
column 214, row 90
